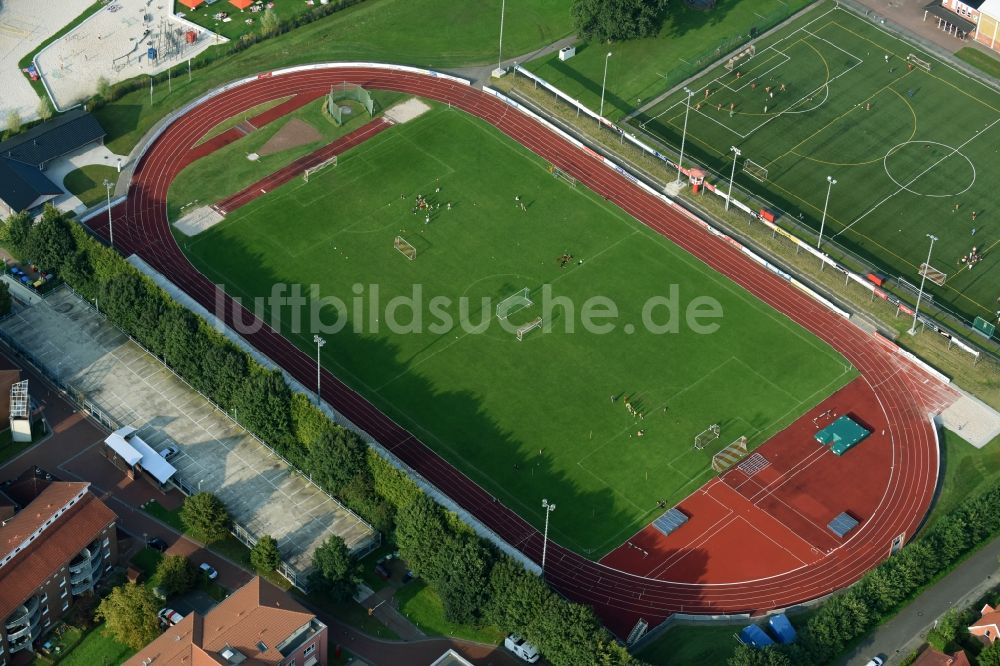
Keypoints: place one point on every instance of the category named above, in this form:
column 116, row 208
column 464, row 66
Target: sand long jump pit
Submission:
column 115, row 44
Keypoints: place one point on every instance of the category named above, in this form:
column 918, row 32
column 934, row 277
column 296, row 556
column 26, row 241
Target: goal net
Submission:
column 514, row 303
column 755, row 171
column 562, row 175
column 918, row 62
column 707, row 436
column 934, row 275
column 748, row 52
column 330, row 161
column 526, row 328
column 730, row 455
column 405, row 248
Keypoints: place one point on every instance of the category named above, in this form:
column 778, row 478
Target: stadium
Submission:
column 758, row 464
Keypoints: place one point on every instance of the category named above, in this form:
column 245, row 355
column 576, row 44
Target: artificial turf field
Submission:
column 530, row 419
column 927, row 143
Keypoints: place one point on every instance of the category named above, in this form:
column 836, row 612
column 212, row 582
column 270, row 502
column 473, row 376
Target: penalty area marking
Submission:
column 406, row 111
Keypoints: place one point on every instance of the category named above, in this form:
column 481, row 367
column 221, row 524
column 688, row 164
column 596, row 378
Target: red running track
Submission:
column 619, row 598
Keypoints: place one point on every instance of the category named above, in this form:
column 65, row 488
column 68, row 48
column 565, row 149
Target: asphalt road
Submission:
column 905, row 632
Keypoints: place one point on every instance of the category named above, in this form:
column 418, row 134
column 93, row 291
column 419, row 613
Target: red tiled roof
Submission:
column 55, row 547
column 257, row 612
column 931, row 657
column 241, row 4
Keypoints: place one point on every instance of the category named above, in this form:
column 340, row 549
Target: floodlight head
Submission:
column 932, row 237
column 831, row 180
column 609, row 55
column 547, row 506
column 107, row 183
column 318, row 340
column 736, row 150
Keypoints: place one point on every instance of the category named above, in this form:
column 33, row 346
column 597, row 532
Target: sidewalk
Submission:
column 905, row 632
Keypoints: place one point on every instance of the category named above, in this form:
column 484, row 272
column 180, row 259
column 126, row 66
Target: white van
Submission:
column 525, row 651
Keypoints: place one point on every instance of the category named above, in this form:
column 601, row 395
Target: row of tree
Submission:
column 476, row 583
column 883, row 590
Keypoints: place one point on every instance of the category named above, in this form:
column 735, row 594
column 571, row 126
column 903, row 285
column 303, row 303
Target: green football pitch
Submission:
column 914, row 152
column 531, row 419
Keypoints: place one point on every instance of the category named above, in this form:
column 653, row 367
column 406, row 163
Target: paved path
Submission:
column 72, row 453
column 480, row 75
column 905, row 632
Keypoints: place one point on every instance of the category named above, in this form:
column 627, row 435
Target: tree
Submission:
column 5, row 300
column 104, row 88
column 129, row 614
column 17, row 230
column 420, row 531
column 264, row 556
column 269, row 23
column 990, row 656
column 175, row 575
column 748, row 656
column 335, row 570
column 464, row 582
column 945, row 631
column 44, row 108
column 617, row 20
column 336, row 458
column 13, row 122
column 50, row 242
column 205, row 517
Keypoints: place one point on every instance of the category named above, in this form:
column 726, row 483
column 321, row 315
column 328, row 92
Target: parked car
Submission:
column 156, row 543
column 209, row 570
column 169, row 617
column 169, row 452
column 520, row 648
column 875, row 661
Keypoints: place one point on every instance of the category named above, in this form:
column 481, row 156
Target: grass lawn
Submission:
column 980, row 60
column 87, row 183
column 233, row 121
column 95, row 649
column 426, row 33
column 527, row 419
column 885, row 132
column 422, row 606
column 227, row 170
column 9, row 448
column 641, row 69
column 147, row 560
column 966, row 472
column 686, row 645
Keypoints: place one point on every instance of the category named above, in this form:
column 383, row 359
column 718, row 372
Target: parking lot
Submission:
column 77, row 347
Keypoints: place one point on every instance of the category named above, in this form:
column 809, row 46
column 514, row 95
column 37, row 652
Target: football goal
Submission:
column 707, row 436
column 748, row 52
column 755, row 171
column 918, row 62
column 330, row 161
column 562, row 175
column 405, row 248
column 526, row 328
column 514, row 303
